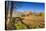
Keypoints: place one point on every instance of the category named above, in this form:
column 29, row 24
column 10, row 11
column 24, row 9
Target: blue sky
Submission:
column 29, row 6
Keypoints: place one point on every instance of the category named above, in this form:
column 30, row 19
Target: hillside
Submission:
column 27, row 20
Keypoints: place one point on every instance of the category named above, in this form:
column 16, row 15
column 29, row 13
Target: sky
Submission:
column 29, row 6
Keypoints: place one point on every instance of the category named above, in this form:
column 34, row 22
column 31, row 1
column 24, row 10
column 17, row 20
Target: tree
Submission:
column 11, row 26
column 6, row 13
column 41, row 14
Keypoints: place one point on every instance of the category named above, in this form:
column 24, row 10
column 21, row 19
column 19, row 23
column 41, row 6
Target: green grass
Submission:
column 20, row 26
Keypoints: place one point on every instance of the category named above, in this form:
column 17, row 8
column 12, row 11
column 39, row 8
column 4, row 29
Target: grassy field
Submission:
column 34, row 21
column 30, row 21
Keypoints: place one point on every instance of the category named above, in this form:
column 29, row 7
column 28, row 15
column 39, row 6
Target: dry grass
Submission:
column 32, row 20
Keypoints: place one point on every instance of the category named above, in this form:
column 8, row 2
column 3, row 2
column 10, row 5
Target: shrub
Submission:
column 41, row 14
column 41, row 25
column 22, row 15
column 20, row 26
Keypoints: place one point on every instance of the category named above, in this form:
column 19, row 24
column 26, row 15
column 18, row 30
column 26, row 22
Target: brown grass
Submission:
column 34, row 20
